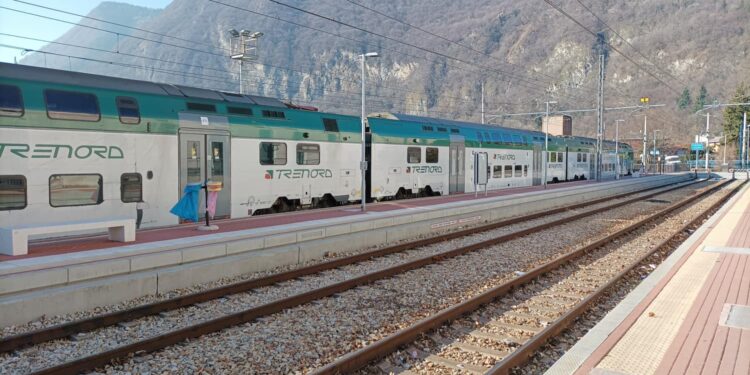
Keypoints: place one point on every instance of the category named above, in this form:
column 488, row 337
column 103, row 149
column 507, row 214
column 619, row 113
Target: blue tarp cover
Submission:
column 187, row 207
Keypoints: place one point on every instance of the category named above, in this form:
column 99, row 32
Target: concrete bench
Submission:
column 15, row 241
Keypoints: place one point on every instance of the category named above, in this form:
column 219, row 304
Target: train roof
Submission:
column 66, row 77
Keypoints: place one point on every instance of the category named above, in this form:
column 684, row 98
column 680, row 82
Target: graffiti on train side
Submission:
column 59, row 151
column 294, row 174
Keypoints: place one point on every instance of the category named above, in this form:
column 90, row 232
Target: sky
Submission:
column 34, row 27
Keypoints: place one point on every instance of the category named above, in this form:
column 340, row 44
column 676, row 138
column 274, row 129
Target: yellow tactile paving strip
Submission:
column 641, row 349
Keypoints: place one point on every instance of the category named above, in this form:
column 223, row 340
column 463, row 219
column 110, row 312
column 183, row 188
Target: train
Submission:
column 78, row 146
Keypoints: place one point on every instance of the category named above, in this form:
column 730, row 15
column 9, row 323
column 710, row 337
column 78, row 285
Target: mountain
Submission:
column 526, row 52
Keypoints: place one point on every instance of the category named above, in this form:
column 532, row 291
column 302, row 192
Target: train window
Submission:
column 560, row 157
column 308, row 154
column 508, row 171
column 518, row 171
column 201, row 107
column 69, row 105
column 444, row 130
column 12, row 192
column 413, row 155
column 455, row 131
column 127, row 108
column 578, row 158
column 75, row 190
column 11, row 103
column 272, row 153
column 497, row 171
column 242, row 111
column 273, row 114
column 552, row 157
column 331, row 125
column 431, row 155
column 427, row 128
column 525, row 170
column 131, row 187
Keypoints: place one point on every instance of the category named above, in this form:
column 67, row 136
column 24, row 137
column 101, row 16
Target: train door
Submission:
column 537, row 160
column 205, row 155
column 592, row 166
column 456, row 165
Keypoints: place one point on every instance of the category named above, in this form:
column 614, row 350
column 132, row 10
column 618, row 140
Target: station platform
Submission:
column 64, row 276
column 690, row 316
column 84, row 243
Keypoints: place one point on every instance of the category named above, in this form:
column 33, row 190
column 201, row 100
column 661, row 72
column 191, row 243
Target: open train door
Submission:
column 457, row 165
column 205, row 149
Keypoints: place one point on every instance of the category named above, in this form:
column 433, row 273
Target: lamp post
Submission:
column 644, row 102
column 656, row 163
column 546, row 141
column 617, row 153
column 363, row 160
column 243, row 45
column 708, row 151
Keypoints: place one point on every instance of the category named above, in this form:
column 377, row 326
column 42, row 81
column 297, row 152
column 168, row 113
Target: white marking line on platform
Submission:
column 726, row 249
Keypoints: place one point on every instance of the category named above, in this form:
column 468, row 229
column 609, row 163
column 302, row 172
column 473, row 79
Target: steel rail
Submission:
column 525, row 351
column 174, row 337
column 358, row 359
column 41, row 335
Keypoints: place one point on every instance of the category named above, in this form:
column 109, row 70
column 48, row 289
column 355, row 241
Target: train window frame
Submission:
column 455, row 131
column 517, row 171
column 409, row 153
column 100, row 198
column 25, row 192
column 497, row 171
column 525, row 170
column 118, row 103
column 578, row 157
column 273, row 158
column 200, row 107
column 140, row 187
column 560, row 157
column 330, row 125
column 314, row 146
column 427, row 158
column 508, row 171
column 71, row 116
column 8, row 111
column 239, row 111
column 552, row 157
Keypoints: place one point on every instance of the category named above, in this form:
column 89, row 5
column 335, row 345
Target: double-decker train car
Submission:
column 76, row 146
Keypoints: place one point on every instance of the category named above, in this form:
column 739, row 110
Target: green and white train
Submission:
column 77, row 146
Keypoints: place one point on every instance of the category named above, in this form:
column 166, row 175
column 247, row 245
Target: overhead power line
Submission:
column 629, row 44
column 639, row 66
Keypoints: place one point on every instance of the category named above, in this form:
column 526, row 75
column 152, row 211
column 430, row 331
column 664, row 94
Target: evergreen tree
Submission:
column 702, row 98
column 733, row 114
column 684, row 101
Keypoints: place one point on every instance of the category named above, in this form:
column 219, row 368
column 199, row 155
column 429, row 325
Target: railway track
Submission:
column 170, row 338
column 501, row 328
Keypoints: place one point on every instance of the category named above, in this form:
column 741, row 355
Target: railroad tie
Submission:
column 456, row 365
column 497, row 354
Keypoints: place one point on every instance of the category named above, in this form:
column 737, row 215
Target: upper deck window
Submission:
column 413, row 155
column 127, row 108
column 201, row 107
column 273, row 114
column 240, row 111
column 11, row 103
column 331, row 125
column 70, row 105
